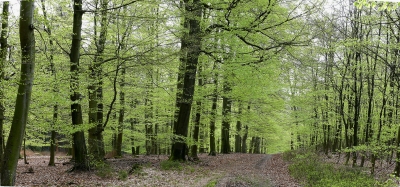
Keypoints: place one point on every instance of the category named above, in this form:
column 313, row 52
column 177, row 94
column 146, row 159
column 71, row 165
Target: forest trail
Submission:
column 245, row 175
column 265, row 171
column 223, row 170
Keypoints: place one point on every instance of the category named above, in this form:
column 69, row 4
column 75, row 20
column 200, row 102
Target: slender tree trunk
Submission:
column 17, row 131
column 120, row 128
column 134, row 122
column 196, row 130
column 179, row 147
column 79, row 143
column 238, row 138
column 55, row 87
column 148, row 121
column 214, row 100
column 244, row 139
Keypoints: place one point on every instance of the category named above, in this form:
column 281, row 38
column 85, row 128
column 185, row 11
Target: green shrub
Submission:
column 104, row 170
column 136, row 169
column 122, row 175
column 170, row 165
column 309, row 169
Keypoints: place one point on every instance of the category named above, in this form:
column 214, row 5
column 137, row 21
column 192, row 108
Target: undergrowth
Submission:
column 170, row 165
column 307, row 167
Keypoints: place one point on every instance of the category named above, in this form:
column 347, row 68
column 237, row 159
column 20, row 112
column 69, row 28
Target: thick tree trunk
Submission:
column 179, row 146
column 3, row 54
column 79, row 143
column 17, row 131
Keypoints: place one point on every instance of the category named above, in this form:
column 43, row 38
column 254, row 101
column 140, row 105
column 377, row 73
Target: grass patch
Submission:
column 170, row 165
column 122, row 175
column 311, row 171
column 211, row 183
column 104, row 170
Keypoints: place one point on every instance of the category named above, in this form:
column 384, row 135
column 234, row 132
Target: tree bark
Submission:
column 196, row 129
column 3, row 54
column 213, row 151
column 179, row 146
column 79, row 143
column 238, row 138
column 120, row 128
column 27, row 41
column 226, row 112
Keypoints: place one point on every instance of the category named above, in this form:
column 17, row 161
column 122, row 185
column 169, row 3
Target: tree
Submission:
column 179, row 146
column 3, row 55
column 79, row 143
column 27, row 41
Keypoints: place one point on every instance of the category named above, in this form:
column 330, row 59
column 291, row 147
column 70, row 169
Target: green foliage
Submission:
column 104, row 170
column 308, row 168
column 136, row 169
column 211, row 183
column 170, row 165
column 122, row 175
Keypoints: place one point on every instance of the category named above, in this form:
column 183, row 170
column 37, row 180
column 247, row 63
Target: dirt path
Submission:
column 250, row 177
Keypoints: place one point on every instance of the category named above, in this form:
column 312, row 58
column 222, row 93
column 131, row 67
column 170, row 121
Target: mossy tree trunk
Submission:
column 17, row 131
column 79, row 143
column 179, row 146
column 3, row 54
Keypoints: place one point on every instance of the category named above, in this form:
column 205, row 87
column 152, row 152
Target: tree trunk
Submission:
column 55, row 87
column 214, row 100
column 244, row 139
column 3, row 54
column 196, row 130
column 17, row 131
column 226, row 112
column 120, row 128
column 238, row 138
column 179, row 146
column 134, row 121
column 79, row 143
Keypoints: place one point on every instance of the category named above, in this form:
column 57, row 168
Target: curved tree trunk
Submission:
column 27, row 40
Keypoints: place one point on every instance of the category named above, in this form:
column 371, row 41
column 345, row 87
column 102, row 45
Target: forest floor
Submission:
column 223, row 170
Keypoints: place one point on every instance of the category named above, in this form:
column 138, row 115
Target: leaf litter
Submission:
column 223, row 170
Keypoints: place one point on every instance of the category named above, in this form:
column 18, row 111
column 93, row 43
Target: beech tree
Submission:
column 17, row 131
column 79, row 143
